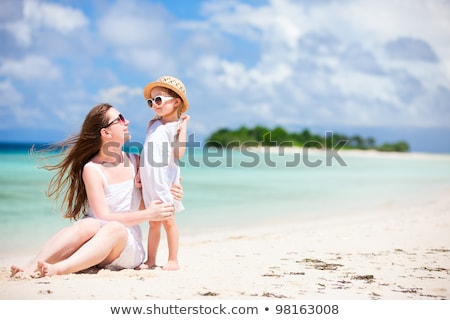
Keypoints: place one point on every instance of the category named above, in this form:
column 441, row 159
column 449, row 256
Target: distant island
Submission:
column 278, row 136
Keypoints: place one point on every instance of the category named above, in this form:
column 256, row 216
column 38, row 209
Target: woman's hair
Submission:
column 67, row 184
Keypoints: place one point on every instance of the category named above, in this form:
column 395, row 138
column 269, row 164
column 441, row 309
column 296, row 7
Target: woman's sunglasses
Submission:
column 158, row 100
column 120, row 119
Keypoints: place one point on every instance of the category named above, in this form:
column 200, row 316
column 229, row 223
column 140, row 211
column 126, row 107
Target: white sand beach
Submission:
column 392, row 252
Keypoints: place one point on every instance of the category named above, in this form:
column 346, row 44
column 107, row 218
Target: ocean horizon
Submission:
column 233, row 189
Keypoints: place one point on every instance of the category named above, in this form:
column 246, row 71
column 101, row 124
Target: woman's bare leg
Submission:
column 103, row 248
column 61, row 245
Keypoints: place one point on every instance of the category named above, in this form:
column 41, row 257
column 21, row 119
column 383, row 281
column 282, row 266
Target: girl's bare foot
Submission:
column 171, row 265
column 146, row 266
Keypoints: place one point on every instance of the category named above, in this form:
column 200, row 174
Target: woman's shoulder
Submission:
column 89, row 163
column 91, row 166
column 92, row 170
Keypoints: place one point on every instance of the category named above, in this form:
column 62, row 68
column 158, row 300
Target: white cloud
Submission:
column 53, row 16
column 375, row 23
column 150, row 61
column 118, row 94
column 21, row 31
column 10, row 95
column 39, row 14
column 31, row 68
column 281, row 21
column 12, row 107
column 129, row 23
column 140, row 34
column 359, row 79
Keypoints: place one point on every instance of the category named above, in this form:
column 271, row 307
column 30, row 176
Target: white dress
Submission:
column 122, row 197
column 158, row 166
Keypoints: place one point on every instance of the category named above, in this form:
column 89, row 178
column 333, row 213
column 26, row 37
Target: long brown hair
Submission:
column 67, row 184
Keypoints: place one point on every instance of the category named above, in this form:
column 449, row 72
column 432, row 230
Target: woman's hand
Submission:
column 177, row 191
column 158, row 211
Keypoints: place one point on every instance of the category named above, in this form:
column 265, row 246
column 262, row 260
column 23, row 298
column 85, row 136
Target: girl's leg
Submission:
column 172, row 241
column 62, row 245
column 103, row 248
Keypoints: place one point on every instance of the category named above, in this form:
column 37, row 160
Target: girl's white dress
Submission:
column 158, row 166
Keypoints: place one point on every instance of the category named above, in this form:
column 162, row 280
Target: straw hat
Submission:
column 169, row 83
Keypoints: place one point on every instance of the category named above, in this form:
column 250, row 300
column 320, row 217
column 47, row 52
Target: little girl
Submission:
column 165, row 144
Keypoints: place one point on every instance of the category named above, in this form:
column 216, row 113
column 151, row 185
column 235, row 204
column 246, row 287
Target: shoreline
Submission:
column 351, row 152
column 398, row 251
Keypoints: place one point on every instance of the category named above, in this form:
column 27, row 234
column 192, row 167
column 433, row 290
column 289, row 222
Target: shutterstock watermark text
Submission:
column 247, row 154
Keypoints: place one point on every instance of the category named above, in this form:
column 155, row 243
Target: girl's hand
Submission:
column 183, row 122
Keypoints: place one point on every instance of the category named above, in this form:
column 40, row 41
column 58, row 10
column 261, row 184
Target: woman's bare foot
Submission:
column 15, row 270
column 28, row 271
column 171, row 265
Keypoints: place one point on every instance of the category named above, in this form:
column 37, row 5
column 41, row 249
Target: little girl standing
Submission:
column 165, row 144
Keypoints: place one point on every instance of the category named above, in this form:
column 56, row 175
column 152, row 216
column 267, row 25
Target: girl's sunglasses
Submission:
column 158, row 100
column 120, row 119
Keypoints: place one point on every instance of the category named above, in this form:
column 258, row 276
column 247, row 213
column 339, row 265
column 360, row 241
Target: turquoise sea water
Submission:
column 231, row 189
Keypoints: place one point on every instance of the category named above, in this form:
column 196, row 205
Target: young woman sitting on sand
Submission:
column 96, row 181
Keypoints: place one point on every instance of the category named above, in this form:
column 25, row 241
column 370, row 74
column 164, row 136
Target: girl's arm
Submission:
column 181, row 139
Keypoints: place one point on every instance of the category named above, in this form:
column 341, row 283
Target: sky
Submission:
column 374, row 68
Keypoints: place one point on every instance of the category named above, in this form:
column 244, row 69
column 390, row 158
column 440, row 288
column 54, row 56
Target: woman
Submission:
column 96, row 182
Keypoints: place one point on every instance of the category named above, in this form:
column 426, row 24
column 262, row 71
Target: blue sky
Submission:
column 373, row 68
